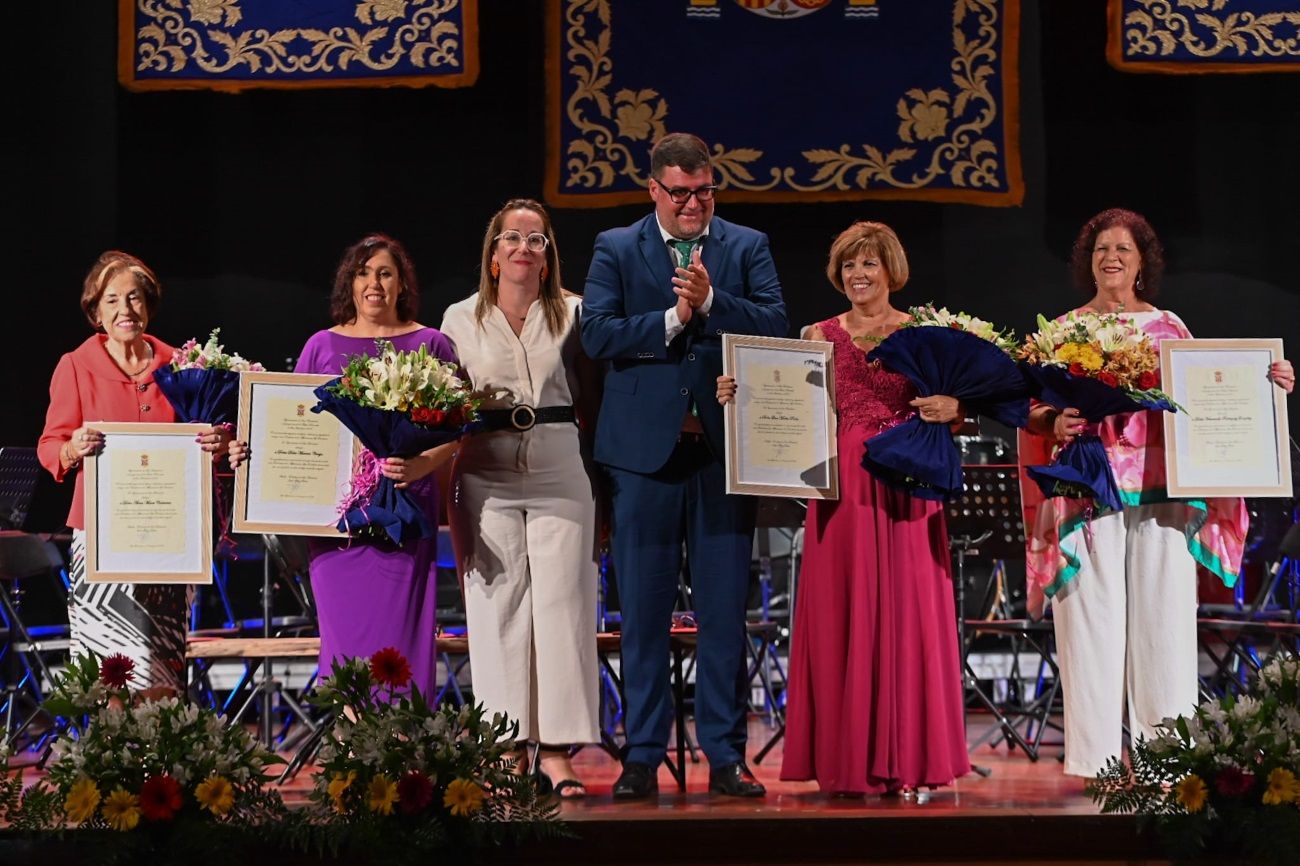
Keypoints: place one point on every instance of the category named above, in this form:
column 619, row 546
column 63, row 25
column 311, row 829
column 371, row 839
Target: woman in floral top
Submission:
column 1123, row 583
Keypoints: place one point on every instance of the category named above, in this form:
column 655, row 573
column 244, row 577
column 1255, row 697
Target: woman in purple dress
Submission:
column 875, row 697
column 370, row 593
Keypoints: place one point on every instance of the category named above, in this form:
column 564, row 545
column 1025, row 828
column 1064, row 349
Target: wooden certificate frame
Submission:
column 148, row 499
column 1233, row 438
column 285, row 486
column 781, row 428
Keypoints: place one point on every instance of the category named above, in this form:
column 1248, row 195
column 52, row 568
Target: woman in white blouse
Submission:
column 523, row 512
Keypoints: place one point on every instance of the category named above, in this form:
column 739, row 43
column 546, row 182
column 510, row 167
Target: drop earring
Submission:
column 495, row 270
column 544, row 271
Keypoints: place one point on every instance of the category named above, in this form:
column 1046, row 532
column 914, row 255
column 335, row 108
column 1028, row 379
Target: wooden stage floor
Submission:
column 1023, row 812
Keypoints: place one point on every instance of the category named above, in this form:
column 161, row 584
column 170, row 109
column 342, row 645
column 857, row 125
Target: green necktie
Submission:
column 683, row 249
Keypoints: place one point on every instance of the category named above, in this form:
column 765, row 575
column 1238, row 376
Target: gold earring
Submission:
column 495, row 268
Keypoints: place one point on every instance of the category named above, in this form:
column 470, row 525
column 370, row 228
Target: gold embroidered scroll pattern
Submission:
column 954, row 126
column 1208, row 31
column 957, row 124
column 425, row 39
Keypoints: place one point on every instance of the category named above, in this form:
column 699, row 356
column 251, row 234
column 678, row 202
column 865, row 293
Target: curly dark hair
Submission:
column 343, row 308
column 1153, row 254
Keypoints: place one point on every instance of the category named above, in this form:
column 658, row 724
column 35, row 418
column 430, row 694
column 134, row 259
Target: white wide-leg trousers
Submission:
column 1126, row 631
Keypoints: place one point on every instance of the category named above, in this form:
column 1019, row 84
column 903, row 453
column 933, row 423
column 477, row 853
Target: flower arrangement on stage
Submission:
column 1101, row 365
column 146, row 772
column 202, row 381
column 399, row 777
column 959, row 356
column 1225, row 780
column 927, row 315
column 131, row 760
column 399, row 404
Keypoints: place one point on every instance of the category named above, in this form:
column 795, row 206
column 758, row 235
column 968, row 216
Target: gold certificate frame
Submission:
column 149, row 505
column 300, row 462
column 781, row 428
column 1232, row 439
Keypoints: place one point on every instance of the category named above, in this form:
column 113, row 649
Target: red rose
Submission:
column 421, row 415
column 1147, row 380
column 1233, row 782
column 1108, row 378
column 414, row 792
column 388, row 667
column 116, row 671
column 1076, row 369
column 954, row 326
column 436, row 417
column 160, row 798
column 456, row 416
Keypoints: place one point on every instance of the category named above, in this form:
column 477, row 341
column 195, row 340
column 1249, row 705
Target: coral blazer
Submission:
column 88, row 387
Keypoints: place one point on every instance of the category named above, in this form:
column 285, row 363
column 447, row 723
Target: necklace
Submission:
column 144, row 368
column 868, row 340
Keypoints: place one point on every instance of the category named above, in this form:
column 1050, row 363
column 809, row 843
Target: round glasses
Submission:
column 536, row 242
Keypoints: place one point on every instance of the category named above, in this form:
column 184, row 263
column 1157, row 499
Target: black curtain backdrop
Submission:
column 243, row 203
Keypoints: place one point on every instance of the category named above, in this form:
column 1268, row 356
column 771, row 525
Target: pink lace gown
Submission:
column 875, row 699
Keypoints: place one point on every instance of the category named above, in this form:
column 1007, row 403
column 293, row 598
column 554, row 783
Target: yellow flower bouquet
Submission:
column 1224, row 780
column 400, row 778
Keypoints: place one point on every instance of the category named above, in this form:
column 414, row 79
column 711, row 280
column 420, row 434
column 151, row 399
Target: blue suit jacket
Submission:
column 649, row 386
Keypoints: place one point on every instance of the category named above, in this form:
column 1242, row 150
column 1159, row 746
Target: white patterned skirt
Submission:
column 145, row 622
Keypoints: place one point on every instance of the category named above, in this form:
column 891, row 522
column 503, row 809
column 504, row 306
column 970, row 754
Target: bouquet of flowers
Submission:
column 1101, row 365
column 202, row 381
column 396, row 773
column 398, row 404
column 174, row 775
column 1223, row 780
column 957, row 355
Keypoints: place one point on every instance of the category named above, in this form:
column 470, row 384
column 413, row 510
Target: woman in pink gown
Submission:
column 875, row 699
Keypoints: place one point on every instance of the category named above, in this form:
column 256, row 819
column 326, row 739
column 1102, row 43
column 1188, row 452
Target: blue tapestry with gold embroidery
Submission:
column 800, row 100
column 242, row 44
column 1182, row 36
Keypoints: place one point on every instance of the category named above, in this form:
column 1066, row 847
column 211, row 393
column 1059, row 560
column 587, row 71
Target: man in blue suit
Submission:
column 659, row 296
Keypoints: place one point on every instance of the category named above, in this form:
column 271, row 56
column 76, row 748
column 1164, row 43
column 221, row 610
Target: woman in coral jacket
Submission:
column 110, row 377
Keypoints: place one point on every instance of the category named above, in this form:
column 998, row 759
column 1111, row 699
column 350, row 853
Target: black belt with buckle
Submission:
column 525, row 417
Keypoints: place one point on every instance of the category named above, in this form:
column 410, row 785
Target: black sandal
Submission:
column 545, row 786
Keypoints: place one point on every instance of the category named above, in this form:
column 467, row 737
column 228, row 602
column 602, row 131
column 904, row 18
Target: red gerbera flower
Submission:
column 116, row 671
column 388, row 667
column 414, row 792
column 1232, row 782
column 1108, row 378
column 160, row 798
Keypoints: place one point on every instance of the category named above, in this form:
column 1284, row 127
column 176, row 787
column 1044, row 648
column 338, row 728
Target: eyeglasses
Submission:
column 535, row 241
column 681, row 195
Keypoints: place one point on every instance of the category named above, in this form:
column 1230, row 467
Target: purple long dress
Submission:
column 875, row 698
column 371, row 595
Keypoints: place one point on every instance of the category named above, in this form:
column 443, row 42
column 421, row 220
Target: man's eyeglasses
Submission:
column 681, row 195
column 535, row 241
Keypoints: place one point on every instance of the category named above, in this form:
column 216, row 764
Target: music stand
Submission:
column 774, row 513
column 985, row 518
column 22, row 555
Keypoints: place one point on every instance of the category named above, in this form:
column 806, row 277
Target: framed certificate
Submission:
column 781, row 427
column 1232, row 438
column 300, row 462
column 149, row 505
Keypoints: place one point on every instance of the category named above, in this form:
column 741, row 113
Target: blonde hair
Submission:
column 875, row 239
column 552, row 295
